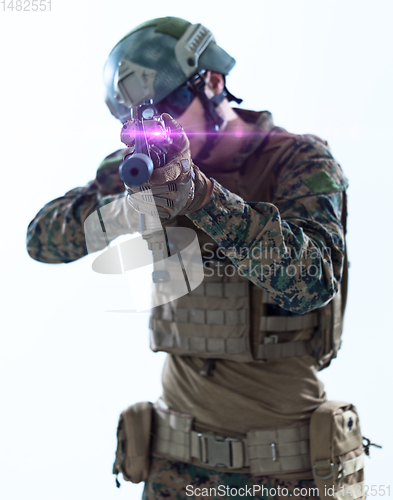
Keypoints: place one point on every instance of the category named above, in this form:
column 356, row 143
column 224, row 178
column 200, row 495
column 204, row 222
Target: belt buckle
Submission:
column 271, row 339
column 215, row 450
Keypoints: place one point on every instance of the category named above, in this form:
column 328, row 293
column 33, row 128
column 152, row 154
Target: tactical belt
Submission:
column 261, row 451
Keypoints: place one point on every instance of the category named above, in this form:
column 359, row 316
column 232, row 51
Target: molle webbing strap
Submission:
column 342, row 469
column 223, row 332
column 284, row 350
column 351, row 466
column 171, row 433
column 286, row 323
column 203, row 316
column 279, row 450
column 201, row 345
column 271, row 348
column 262, row 451
column 208, row 330
column 224, row 290
column 289, row 323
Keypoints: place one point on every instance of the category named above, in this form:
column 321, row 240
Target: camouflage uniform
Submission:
column 295, row 215
column 169, row 479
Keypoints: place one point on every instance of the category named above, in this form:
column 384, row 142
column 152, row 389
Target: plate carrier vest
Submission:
column 229, row 317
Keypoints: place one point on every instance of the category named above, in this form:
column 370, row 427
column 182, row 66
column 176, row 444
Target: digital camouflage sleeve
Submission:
column 293, row 247
column 56, row 234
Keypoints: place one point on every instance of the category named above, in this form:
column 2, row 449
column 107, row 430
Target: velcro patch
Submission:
column 350, row 421
column 321, row 182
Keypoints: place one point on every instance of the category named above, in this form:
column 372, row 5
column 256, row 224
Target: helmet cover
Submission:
column 156, row 58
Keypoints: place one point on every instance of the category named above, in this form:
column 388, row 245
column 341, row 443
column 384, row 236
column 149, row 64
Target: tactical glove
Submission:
column 178, row 188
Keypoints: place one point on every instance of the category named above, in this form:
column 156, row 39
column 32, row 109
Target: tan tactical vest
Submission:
column 229, row 317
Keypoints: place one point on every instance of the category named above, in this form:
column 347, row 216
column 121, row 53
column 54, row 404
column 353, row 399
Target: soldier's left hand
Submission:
column 178, row 188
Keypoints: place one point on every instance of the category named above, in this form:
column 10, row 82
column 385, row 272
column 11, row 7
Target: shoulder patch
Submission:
column 321, row 182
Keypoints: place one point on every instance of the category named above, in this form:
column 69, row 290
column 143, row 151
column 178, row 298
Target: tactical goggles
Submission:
column 177, row 102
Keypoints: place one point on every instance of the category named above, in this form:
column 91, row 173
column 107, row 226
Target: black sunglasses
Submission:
column 179, row 100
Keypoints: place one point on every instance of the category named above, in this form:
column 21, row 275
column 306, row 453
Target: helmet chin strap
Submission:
column 213, row 120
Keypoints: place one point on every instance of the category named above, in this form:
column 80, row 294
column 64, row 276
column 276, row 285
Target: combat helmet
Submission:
column 156, row 58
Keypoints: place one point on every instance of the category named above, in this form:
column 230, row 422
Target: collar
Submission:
column 262, row 125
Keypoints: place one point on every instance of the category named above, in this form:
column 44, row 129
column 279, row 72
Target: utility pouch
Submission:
column 327, row 339
column 336, row 450
column 133, row 443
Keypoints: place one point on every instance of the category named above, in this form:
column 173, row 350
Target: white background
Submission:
column 68, row 367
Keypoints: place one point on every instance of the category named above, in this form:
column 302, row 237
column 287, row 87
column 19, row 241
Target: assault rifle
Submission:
column 151, row 140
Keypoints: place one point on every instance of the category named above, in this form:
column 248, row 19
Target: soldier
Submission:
column 269, row 210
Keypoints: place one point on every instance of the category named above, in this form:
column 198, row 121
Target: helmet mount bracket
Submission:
column 133, row 83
